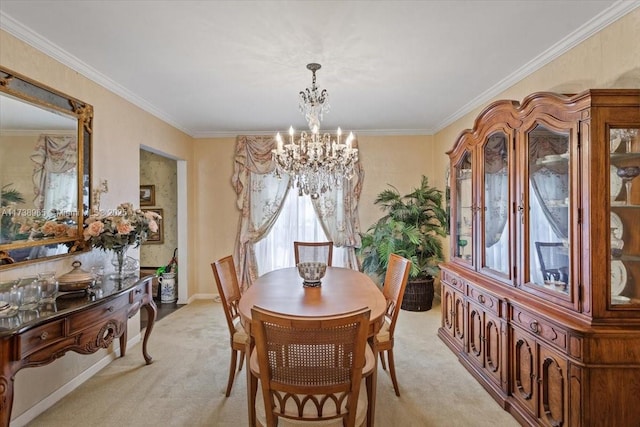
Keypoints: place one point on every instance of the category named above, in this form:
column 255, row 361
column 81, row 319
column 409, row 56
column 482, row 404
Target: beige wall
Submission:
column 119, row 129
column 610, row 58
column 215, row 209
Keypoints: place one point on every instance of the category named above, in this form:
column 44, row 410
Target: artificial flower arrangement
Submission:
column 124, row 226
column 20, row 223
column 39, row 227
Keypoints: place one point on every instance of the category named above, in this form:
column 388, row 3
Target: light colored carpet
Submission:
column 185, row 384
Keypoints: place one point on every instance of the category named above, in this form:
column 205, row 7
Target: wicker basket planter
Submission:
column 418, row 295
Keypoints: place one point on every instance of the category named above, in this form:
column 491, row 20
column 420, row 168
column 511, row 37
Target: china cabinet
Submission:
column 541, row 295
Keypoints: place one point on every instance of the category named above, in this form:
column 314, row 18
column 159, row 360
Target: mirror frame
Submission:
column 26, row 89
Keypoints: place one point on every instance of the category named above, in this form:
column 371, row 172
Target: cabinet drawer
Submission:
column 534, row 324
column 104, row 311
column 137, row 294
column 486, row 300
column 454, row 281
column 40, row 337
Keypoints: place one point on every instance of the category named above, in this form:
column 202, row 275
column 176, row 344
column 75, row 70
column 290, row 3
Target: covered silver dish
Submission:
column 75, row 280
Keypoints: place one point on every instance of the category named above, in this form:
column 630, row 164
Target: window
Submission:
column 297, row 221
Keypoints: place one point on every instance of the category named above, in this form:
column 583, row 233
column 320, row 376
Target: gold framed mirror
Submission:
column 45, row 170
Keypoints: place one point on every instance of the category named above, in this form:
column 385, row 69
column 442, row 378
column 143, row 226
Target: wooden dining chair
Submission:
column 311, row 368
column 395, row 282
column 313, row 251
column 224, row 271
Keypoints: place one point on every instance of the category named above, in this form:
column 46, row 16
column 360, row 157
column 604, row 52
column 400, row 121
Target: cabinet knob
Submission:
column 110, row 309
column 44, row 335
column 481, row 299
column 138, row 290
column 534, row 326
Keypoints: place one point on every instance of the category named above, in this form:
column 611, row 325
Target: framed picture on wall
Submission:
column 157, row 237
column 147, row 195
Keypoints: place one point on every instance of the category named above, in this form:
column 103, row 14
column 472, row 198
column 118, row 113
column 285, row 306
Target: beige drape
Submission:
column 53, row 154
column 337, row 210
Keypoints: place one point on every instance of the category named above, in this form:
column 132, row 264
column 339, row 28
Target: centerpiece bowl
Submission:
column 312, row 273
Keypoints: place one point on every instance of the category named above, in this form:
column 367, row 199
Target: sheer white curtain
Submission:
column 497, row 255
column 540, row 230
column 61, row 192
column 549, row 185
column 297, row 221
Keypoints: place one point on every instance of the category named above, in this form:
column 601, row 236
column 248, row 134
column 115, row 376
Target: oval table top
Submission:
column 342, row 290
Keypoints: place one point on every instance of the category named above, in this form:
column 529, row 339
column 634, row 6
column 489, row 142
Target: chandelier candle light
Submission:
column 316, row 163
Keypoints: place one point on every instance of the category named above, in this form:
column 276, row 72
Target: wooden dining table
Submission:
column 341, row 291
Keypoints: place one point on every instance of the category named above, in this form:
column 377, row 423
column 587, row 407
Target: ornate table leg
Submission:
column 152, row 312
column 123, row 341
column 7, row 373
column 6, row 399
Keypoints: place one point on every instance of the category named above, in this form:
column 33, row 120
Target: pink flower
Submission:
column 49, row 228
column 124, row 227
column 93, row 229
column 153, row 226
column 60, row 230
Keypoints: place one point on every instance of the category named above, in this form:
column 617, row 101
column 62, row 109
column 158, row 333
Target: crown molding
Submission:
column 368, row 132
column 610, row 15
column 605, row 18
column 27, row 35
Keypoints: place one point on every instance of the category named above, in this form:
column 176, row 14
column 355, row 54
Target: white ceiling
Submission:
column 222, row 68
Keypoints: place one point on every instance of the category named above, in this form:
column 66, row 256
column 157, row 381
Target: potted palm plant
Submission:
column 412, row 227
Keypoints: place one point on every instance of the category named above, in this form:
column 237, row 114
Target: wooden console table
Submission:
column 81, row 323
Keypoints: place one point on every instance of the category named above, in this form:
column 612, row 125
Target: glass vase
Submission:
column 119, row 256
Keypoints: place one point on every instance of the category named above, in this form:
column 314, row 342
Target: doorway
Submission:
column 163, row 178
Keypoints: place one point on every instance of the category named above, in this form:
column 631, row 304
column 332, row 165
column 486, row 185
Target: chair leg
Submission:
column 252, row 387
column 232, row 371
column 384, row 365
column 241, row 360
column 392, row 371
column 371, row 382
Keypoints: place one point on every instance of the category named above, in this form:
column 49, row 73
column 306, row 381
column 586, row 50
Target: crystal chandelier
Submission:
column 316, row 163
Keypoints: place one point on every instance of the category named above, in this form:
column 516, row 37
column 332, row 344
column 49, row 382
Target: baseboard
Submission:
column 201, row 296
column 46, row 403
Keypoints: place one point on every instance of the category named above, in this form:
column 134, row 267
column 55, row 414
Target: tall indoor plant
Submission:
column 412, row 227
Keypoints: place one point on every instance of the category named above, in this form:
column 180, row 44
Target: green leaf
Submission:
column 412, row 226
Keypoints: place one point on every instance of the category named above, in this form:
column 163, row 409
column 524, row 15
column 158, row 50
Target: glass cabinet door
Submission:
column 548, row 210
column 495, row 209
column 624, row 145
column 464, row 209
